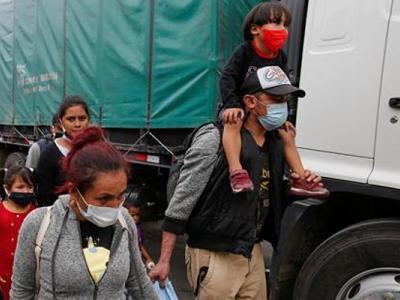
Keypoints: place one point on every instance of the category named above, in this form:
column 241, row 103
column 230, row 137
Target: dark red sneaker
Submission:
column 240, row 181
column 303, row 188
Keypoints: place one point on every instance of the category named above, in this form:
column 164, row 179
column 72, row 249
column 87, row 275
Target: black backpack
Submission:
column 44, row 142
column 175, row 169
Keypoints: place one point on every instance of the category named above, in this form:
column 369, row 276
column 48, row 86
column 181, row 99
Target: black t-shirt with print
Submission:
column 102, row 237
column 96, row 246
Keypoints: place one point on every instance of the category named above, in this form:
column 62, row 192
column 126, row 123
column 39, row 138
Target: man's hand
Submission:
column 160, row 272
column 309, row 176
column 232, row 115
column 2, row 280
column 308, row 185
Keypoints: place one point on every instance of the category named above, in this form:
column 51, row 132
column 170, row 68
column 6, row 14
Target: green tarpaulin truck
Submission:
column 148, row 69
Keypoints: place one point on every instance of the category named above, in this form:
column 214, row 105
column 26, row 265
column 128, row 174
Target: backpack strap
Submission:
column 189, row 139
column 38, row 249
column 43, row 144
column 122, row 221
column 187, row 142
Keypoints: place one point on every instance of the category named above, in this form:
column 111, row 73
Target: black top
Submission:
column 263, row 191
column 224, row 221
column 102, row 237
column 243, row 61
column 44, row 142
column 49, row 174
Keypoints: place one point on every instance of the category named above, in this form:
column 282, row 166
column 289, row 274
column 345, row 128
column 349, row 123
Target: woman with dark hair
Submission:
column 90, row 248
column 74, row 118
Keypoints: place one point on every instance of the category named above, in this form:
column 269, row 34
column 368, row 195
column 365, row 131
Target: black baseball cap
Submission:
column 271, row 80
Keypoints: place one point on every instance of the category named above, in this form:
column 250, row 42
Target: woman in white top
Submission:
column 74, row 118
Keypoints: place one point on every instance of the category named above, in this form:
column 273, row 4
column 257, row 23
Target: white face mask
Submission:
column 98, row 215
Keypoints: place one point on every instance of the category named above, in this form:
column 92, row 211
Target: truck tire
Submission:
column 15, row 159
column 359, row 262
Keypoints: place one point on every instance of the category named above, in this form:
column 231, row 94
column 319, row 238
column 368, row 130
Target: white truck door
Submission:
column 386, row 170
column 344, row 48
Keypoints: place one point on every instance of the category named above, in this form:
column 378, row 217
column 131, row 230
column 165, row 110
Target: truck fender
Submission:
column 298, row 238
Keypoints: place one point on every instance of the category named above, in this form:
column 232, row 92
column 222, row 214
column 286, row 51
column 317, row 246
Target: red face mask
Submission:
column 274, row 39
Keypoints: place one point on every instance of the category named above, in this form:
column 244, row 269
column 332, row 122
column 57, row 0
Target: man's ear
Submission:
column 249, row 101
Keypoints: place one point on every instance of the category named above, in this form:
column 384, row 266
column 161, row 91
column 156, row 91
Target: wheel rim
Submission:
column 374, row 284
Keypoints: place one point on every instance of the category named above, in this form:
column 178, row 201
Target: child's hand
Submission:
column 232, row 115
column 289, row 127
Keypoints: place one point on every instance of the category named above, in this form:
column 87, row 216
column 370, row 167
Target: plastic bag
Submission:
column 166, row 293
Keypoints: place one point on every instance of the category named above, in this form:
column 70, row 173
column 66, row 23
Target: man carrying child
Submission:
column 223, row 256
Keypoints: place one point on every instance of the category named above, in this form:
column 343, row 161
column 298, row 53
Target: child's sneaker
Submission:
column 240, row 181
column 303, row 188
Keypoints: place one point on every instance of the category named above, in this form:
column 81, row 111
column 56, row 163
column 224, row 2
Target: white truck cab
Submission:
column 348, row 124
column 345, row 55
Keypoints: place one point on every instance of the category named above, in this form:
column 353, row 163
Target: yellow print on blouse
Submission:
column 96, row 260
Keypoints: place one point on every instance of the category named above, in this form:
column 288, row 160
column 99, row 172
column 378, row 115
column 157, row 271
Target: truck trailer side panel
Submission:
column 140, row 64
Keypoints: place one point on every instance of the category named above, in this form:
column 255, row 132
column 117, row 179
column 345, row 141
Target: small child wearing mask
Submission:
column 265, row 33
column 18, row 202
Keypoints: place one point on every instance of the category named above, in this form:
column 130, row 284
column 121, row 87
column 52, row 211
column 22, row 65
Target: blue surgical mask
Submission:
column 99, row 215
column 275, row 116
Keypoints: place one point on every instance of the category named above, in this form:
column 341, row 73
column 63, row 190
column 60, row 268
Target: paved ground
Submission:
column 152, row 233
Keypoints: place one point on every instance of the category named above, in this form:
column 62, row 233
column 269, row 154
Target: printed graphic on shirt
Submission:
column 96, row 259
column 264, row 187
column 263, row 203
